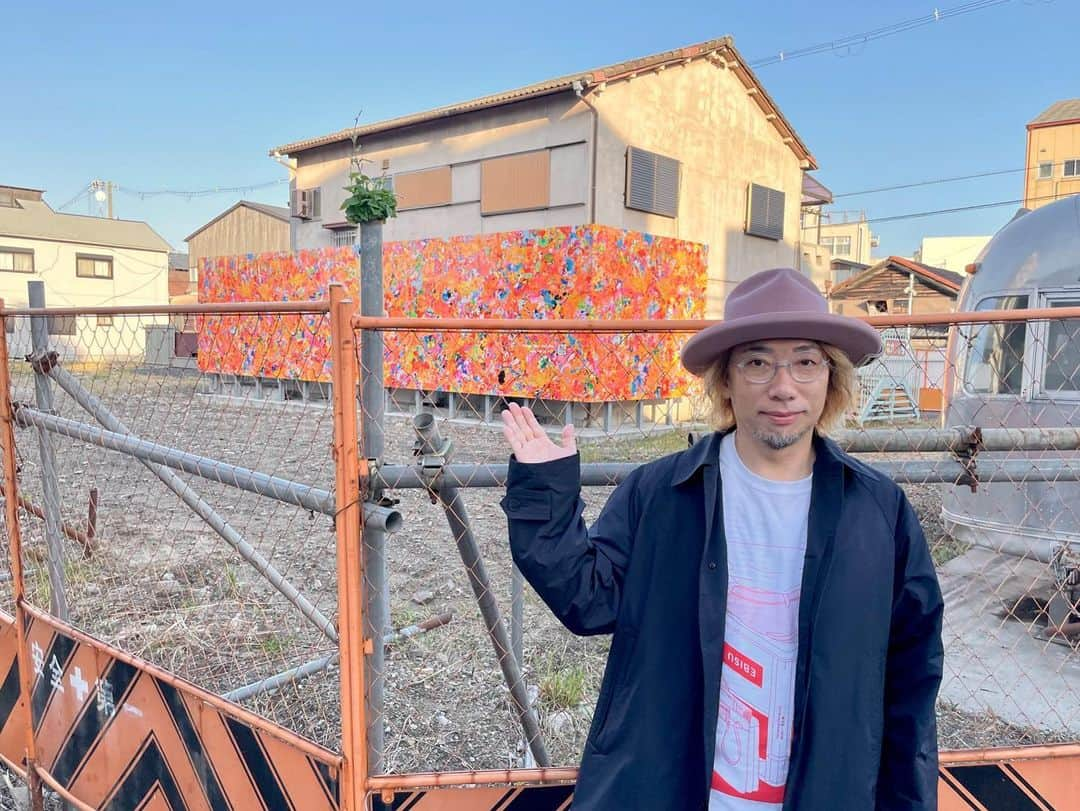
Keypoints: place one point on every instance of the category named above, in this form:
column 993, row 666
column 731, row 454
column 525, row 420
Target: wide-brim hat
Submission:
column 779, row 304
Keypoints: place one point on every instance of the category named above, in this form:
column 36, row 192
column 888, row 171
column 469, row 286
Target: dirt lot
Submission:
column 163, row 585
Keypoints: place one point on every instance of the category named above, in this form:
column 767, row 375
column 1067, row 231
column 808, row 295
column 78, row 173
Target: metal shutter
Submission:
column 766, row 215
column 652, row 182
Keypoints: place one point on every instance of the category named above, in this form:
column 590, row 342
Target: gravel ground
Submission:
column 162, row 585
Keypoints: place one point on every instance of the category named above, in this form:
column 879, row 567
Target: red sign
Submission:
column 743, row 665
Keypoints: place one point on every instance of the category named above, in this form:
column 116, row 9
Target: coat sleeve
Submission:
column 913, row 671
column 577, row 571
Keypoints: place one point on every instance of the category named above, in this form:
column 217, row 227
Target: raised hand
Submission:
column 529, row 442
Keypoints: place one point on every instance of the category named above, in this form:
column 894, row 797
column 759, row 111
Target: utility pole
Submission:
column 102, row 192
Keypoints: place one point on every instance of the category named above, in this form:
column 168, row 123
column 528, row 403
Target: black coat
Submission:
column 652, row 570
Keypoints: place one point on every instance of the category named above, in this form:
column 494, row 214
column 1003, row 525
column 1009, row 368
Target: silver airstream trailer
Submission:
column 1010, row 595
column 1019, row 375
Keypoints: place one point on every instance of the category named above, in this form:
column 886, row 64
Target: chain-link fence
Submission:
column 1012, row 643
column 184, row 509
column 189, row 534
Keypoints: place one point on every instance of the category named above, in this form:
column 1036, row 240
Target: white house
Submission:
column 83, row 262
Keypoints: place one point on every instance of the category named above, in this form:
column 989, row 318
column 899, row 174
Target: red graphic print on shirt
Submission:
column 754, row 729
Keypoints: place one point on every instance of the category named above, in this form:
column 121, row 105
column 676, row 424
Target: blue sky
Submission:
column 193, row 97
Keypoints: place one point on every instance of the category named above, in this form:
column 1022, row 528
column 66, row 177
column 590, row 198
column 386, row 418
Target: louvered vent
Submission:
column 766, row 215
column 652, row 182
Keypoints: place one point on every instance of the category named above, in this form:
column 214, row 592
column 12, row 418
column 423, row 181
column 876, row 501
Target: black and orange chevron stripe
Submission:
column 525, row 798
column 1029, row 784
column 119, row 737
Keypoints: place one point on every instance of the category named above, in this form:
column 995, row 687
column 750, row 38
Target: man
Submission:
column 775, row 613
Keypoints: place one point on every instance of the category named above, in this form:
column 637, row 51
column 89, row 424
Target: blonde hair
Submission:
column 838, row 398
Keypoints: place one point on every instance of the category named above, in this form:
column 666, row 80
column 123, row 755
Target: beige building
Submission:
column 1053, row 154
column 685, row 143
column 84, row 262
column 245, row 227
column 950, row 253
column 845, row 235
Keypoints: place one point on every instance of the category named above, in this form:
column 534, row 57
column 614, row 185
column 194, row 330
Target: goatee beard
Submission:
column 778, row 441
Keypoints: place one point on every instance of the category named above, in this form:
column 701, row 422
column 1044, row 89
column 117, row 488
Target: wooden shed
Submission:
column 896, row 286
column 913, row 364
column 244, row 228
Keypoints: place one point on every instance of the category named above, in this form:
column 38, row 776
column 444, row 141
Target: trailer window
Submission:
column 995, row 361
column 1062, row 367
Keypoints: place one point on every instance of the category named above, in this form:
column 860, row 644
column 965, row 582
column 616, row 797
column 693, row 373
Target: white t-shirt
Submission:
column 765, row 523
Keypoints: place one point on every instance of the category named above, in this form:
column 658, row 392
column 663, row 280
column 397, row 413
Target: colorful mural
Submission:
column 592, row 272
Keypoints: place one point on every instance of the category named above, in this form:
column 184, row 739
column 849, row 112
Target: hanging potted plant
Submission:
column 368, row 204
column 369, row 199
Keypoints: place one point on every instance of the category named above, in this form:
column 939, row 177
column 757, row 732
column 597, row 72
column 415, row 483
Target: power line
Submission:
column 936, row 180
column 189, row 193
column 75, row 199
column 855, row 40
column 916, row 214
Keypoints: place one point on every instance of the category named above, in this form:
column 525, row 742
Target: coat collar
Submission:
column 706, row 451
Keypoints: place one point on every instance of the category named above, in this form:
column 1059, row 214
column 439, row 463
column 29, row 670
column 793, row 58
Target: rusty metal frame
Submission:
column 525, row 325
column 352, row 478
column 351, row 472
column 11, row 515
column 229, row 308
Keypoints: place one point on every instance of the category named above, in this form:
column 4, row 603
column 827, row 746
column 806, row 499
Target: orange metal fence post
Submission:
column 349, row 469
column 11, row 514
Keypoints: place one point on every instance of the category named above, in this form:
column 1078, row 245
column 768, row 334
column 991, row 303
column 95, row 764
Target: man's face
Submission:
column 780, row 411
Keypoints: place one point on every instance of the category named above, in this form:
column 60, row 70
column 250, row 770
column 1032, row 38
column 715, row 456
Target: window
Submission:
column 1062, row 369
column 307, row 203
column 899, row 306
column 1072, row 168
column 765, row 217
column 16, row 260
column 515, row 183
column 343, row 237
column 995, row 357
column 430, row 187
column 1046, row 170
column 61, row 325
column 93, row 267
column 652, row 182
column 104, row 321
column 837, row 246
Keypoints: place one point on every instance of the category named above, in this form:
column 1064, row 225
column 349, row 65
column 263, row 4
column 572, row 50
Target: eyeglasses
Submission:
column 803, row 368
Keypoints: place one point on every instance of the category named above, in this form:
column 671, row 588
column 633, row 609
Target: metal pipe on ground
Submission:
column 276, row 682
column 431, row 443
column 289, row 492
column 70, row 530
column 419, row 628
column 201, row 508
column 517, row 614
column 300, row 672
